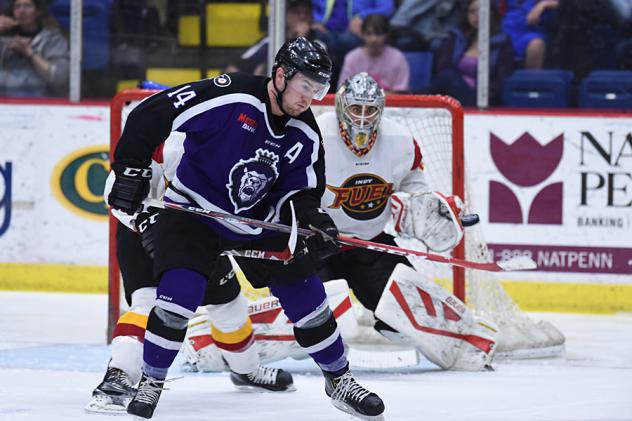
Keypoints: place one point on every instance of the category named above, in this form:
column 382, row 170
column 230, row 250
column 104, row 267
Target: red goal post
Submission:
column 432, row 120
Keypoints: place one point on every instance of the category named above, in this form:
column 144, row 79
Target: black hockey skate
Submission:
column 348, row 396
column 146, row 399
column 113, row 394
column 264, row 379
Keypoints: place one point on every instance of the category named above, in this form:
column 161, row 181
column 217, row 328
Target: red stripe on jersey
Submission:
column 158, row 154
column 125, row 329
column 418, row 162
column 397, row 208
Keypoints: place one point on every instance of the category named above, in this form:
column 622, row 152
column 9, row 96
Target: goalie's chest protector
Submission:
column 358, row 188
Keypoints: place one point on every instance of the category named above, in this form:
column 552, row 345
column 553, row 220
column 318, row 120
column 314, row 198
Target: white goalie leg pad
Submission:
column 341, row 306
column 273, row 330
column 199, row 349
column 127, row 351
column 436, row 322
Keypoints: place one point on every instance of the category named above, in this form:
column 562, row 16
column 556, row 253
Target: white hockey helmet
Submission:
column 359, row 106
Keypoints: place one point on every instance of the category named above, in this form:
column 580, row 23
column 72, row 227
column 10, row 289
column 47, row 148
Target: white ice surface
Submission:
column 52, row 355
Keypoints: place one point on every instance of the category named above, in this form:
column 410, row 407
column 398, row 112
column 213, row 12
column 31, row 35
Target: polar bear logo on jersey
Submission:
column 251, row 179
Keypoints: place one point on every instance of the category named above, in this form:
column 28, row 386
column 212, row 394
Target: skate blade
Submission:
column 105, row 406
column 257, row 389
column 347, row 409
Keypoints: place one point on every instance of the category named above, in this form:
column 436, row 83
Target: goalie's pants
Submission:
column 137, row 270
column 366, row 271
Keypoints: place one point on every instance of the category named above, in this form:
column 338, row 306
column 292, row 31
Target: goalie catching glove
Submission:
column 130, row 187
column 432, row 218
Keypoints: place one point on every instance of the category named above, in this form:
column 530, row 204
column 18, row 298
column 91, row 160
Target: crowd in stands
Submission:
column 360, row 35
column 34, row 54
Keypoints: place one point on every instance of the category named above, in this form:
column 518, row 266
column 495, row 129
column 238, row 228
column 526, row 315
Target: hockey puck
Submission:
column 470, row 219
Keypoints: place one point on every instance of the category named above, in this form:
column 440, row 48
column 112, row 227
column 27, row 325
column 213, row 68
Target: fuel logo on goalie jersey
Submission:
column 251, row 179
column 362, row 196
column 78, row 181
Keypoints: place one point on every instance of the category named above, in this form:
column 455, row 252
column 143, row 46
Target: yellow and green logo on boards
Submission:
column 78, row 181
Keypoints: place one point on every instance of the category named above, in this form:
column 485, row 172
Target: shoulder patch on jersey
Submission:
column 250, row 179
column 222, row 81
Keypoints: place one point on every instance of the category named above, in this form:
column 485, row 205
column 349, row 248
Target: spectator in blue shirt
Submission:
column 522, row 23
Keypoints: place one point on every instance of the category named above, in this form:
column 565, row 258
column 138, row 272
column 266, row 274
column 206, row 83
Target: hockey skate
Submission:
column 264, row 379
column 146, row 399
column 113, row 394
column 348, row 396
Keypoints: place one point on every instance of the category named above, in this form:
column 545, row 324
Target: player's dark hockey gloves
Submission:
column 130, row 188
column 321, row 244
column 145, row 223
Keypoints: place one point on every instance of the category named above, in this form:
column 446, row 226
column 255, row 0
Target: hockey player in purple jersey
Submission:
column 252, row 146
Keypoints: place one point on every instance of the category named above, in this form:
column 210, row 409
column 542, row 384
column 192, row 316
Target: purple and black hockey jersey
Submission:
column 238, row 158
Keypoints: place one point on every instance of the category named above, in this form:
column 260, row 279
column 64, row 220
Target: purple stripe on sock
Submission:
column 157, row 360
column 330, row 354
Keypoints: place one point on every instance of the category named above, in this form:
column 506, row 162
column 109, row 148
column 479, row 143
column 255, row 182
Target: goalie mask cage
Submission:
column 436, row 122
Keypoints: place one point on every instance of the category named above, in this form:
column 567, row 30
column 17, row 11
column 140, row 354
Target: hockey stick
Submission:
column 284, row 255
column 517, row 263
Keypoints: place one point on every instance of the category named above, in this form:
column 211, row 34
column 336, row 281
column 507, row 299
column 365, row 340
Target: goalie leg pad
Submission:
column 340, row 304
column 199, row 350
column 274, row 331
column 437, row 323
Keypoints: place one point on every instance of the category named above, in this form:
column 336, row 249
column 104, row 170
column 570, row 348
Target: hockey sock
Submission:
column 129, row 333
column 315, row 328
column 233, row 335
column 179, row 294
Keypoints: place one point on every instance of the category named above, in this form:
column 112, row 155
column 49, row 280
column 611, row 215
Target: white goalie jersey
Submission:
column 359, row 187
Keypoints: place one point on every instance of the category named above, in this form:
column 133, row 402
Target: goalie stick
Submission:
column 517, row 263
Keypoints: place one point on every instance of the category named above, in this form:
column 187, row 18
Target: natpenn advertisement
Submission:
column 558, row 189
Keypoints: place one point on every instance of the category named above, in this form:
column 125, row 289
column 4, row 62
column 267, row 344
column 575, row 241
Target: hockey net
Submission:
column 437, row 124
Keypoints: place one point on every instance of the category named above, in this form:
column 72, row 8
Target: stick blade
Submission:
column 518, row 263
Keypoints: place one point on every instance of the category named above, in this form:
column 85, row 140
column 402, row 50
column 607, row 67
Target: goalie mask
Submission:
column 359, row 106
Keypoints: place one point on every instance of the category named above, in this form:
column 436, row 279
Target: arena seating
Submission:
column 538, row 88
column 420, row 63
column 96, row 30
column 227, row 25
column 606, row 89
